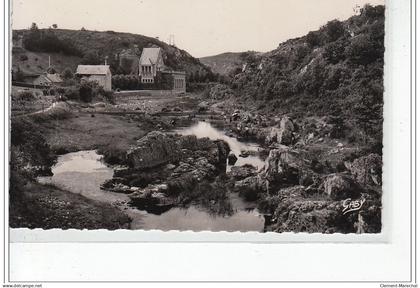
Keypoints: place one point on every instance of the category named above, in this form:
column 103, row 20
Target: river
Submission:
column 83, row 172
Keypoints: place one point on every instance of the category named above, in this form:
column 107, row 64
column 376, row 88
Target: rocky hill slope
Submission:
column 223, row 64
column 335, row 72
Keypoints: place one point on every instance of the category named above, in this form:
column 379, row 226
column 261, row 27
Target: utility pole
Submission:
column 172, row 40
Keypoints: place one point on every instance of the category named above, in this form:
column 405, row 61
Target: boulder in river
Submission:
column 250, row 188
column 282, row 134
column 154, row 149
column 282, row 167
column 232, row 158
column 242, row 172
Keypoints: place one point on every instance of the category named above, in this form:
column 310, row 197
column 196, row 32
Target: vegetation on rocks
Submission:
column 337, row 70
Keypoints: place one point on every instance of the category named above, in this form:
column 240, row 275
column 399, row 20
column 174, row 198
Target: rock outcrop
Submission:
column 367, row 170
column 154, row 149
column 157, row 148
column 232, row 158
column 282, row 167
column 283, row 134
column 250, row 188
column 242, row 172
column 340, row 187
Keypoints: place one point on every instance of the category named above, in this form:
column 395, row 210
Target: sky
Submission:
column 201, row 27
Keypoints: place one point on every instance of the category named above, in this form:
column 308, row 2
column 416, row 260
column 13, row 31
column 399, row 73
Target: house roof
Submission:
column 54, row 78
column 149, row 56
column 92, row 69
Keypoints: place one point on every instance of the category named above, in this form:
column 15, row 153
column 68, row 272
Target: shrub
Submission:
column 334, row 51
column 313, row 39
column 91, row 58
column 362, row 50
column 372, row 12
column 23, row 57
column 86, row 92
column 334, row 29
column 46, row 41
column 109, row 96
column 25, row 96
column 67, row 74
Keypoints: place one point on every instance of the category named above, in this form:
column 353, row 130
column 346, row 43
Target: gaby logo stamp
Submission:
column 352, row 205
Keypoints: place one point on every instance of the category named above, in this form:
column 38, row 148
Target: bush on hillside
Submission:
column 25, row 96
column 362, row 50
column 334, row 30
column 313, row 39
column 72, row 93
column 46, row 41
column 67, row 74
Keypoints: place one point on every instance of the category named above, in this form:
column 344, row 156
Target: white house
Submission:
column 151, row 61
column 99, row 73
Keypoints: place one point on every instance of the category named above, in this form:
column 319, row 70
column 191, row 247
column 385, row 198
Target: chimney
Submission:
column 106, row 60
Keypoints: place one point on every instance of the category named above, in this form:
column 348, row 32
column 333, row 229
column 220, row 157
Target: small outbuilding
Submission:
column 99, row 73
column 48, row 79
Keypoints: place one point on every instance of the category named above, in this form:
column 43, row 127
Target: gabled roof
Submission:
column 149, row 56
column 92, row 69
column 54, row 78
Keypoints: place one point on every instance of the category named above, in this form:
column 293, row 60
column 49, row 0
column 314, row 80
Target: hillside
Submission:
column 72, row 47
column 37, row 62
column 224, row 63
column 336, row 72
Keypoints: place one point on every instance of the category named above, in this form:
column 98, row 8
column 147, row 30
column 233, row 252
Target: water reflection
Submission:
column 83, row 172
column 204, row 129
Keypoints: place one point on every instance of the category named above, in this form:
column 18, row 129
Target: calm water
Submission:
column 83, row 172
column 205, row 129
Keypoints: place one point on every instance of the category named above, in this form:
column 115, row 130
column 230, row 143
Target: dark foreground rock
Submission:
column 293, row 210
column 300, row 197
column 341, row 187
column 367, row 170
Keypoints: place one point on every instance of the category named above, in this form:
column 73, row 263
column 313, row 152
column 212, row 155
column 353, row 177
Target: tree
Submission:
column 362, row 50
column 55, row 26
column 91, row 58
column 51, row 70
column 67, row 74
column 31, row 41
column 334, row 29
column 18, row 75
column 313, row 39
column 126, row 65
column 86, row 92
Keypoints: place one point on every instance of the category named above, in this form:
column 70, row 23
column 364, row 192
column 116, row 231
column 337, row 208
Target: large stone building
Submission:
column 151, row 62
column 99, row 73
column 178, row 80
